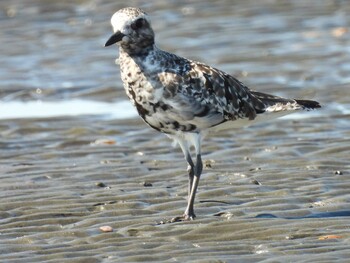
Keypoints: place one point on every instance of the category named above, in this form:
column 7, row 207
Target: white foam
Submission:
column 75, row 107
column 116, row 110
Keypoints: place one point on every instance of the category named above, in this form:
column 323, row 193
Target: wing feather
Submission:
column 204, row 97
column 213, row 92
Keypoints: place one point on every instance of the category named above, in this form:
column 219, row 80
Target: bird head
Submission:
column 132, row 30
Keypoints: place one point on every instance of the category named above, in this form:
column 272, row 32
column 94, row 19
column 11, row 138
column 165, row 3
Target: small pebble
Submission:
column 147, row 184
column 339, row 31
column 255, row 182
column 100, row 184
column 209, row 163
column 326, row 237
column 255, row 169
column 104, row 142
column 106, row 229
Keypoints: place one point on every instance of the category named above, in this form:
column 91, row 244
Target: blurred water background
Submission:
column 74, row 156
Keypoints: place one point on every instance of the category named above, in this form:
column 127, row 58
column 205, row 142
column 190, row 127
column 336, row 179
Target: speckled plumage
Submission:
column 183, row 98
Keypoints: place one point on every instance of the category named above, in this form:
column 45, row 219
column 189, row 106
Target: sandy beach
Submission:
column 75, row 159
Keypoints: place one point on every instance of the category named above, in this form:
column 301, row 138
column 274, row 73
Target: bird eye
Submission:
column 137, row 24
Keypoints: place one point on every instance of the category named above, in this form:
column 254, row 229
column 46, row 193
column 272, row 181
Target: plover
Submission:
column 183, row 98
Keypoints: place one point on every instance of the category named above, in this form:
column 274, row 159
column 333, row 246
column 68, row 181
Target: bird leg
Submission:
column 191, row 174
column 190, row 167
column 190, row 170
column 194, row 174
column 189, row 212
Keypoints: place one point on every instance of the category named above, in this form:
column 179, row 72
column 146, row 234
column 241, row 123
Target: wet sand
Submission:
column 64, row 178
column 274, row 192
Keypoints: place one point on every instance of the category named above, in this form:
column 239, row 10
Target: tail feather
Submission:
column 276, row 104
column 309, row 104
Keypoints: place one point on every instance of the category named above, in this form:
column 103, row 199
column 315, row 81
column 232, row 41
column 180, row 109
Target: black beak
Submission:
column 116, row 37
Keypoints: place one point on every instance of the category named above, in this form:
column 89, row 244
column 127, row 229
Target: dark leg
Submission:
column 190, row 170
column 189, row 212
column 194, row 173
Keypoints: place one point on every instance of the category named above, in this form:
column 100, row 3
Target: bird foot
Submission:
column 178, row 219
column 182, row 218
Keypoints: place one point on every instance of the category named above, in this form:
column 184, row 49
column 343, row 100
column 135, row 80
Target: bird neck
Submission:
column 141, row 58
column 137, row 50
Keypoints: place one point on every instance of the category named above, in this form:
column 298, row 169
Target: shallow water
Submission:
column 74, row 157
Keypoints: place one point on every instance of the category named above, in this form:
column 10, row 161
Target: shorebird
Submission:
column 183, row 98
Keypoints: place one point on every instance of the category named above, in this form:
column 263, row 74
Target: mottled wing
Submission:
column 208, row 97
